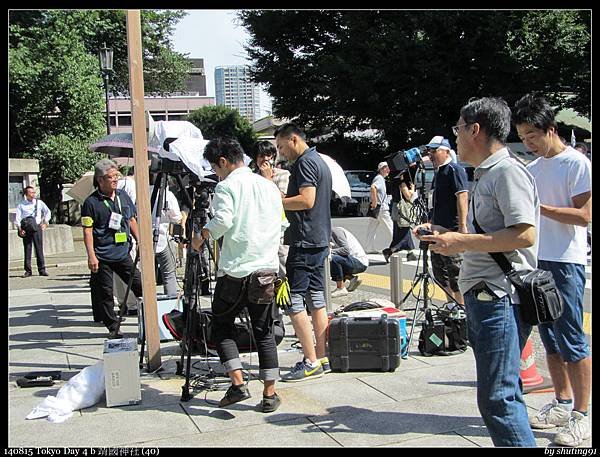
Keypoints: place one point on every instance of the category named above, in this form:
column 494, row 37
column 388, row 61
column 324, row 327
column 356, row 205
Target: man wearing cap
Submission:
column 379, row 199
column 449, row 209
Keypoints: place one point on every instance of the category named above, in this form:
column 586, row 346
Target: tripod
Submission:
column 425, row 279
column 158, row 203
column 197, row 279
column 420, row 215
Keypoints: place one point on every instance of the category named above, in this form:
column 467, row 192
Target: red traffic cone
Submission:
column 529, row 374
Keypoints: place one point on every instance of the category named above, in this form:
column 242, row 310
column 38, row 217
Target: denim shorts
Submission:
column 565, row 336
column 306, row 276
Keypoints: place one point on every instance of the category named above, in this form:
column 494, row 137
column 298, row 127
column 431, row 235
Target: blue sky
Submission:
column 213, row 36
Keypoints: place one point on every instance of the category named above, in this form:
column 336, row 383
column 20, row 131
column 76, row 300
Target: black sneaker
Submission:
column 27, row 274
column 270, row 404
column 235, row 394
column 114, row 335
column 44, row 273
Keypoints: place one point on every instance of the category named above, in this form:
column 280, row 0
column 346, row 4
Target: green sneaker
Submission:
column 302, row 371
column 325, row 364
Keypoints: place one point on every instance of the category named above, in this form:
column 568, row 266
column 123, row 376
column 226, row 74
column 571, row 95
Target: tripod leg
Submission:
column 412, row 287
column 188, row 337
column 143, row 340
column 448, row 294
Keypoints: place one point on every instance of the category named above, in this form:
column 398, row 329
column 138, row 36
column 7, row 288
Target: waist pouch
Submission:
column 230, row 293
column 261, row 287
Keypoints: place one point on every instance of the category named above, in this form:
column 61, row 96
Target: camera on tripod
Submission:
column 401, row 160
column 163, row 165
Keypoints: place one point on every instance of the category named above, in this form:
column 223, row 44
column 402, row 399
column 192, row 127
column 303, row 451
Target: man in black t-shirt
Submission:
column 450, row 206
column 307, row 209
column 108, row 220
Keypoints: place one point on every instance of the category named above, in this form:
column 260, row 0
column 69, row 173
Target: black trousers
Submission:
column 226, row 295
column 101, row 286
column 35, row 239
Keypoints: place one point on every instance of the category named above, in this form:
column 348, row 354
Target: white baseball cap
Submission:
column 381, row 165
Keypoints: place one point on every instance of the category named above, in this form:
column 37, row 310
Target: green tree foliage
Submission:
column 407, row 73
column 62, row 159
column 221, row 121
column 56, row 93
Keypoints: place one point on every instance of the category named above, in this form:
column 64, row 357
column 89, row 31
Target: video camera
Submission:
column 401, row 160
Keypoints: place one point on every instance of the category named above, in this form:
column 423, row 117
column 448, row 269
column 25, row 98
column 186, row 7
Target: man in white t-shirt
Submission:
column 563, row 179
column 347, row 259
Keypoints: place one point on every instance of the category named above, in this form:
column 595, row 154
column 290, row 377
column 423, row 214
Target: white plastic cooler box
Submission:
column 122, row 372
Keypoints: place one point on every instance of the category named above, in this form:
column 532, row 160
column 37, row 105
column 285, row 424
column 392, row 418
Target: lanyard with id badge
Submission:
column 115, row 222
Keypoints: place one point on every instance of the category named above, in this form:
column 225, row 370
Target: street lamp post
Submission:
column 106, row 65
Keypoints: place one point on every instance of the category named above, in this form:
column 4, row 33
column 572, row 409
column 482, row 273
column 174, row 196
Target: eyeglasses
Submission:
column 455, row 128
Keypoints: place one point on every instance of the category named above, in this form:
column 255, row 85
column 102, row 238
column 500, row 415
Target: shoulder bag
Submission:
column 541, row 301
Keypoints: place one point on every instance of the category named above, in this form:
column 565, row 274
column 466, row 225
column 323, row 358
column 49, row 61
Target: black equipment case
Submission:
column 364, row 343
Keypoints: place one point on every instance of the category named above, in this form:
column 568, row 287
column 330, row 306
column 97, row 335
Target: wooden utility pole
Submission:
column 140, row 156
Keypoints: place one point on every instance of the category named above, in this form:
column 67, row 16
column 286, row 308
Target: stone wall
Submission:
column 57, row 239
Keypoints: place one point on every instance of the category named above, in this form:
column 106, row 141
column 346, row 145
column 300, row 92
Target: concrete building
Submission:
column 174, row 107
column 234, row 89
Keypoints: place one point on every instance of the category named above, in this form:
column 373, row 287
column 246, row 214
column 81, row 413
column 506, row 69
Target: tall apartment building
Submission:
column 234, row 89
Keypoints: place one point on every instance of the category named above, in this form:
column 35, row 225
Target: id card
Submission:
column 115, row 221
column 120, row 237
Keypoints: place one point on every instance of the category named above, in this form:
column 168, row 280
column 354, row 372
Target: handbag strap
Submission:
column 500, row 258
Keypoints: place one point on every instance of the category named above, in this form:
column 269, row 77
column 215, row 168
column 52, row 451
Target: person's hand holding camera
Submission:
column 266, row 170
column 441, row 240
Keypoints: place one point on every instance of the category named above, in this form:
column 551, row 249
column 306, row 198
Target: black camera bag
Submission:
column 541, row 301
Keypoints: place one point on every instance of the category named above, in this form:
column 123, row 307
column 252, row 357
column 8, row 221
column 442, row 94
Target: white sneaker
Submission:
column 575, row 432
column 354, row 283
column 339, row 292
column 550, row 416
